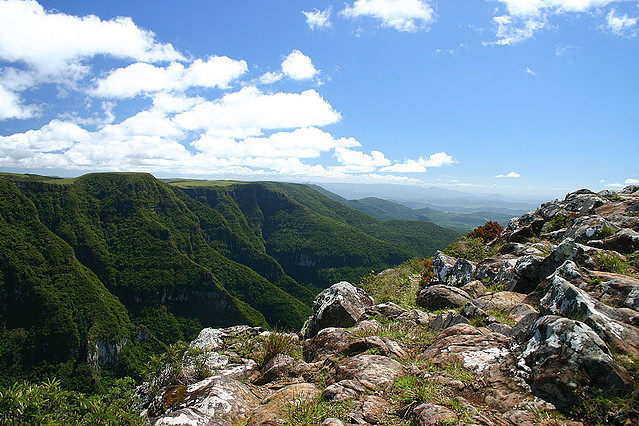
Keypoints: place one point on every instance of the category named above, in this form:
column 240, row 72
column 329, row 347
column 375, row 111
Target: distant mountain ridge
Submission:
column 388, row 210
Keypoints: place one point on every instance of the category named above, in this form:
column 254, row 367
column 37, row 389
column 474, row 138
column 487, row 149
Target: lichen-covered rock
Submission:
column 561, row 356
column 374, row 372
column 340, row 305
column 275, row 408
column 217, row 397
column 442, row 265
column 488, row 355
column 567, row 250
column 583, row 202
column 327, row 342
column 462, row 273
column 502, row 301
column 442, row 296
column 521, row 228
column 587, row 228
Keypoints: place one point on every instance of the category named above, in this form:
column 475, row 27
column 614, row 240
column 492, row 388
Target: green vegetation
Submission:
column 49, row 404
column 306, row 411
column 558, row 221
column 611, row 262
column 399, row 285
column 472, row 249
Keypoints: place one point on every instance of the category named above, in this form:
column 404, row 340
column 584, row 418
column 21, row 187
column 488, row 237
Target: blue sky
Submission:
column 520, row 97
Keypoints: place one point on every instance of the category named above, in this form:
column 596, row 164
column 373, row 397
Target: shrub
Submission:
column 611, row 262
column 487, row 232
column 472, row 249
column 558, row 221
column 277, row 343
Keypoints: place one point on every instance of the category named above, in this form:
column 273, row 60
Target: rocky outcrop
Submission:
column 530, row 330
column 441, row 297
column 340, row 305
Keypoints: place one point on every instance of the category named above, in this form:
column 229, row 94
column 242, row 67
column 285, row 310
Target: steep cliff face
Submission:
column 315, row 239
column 51, row 306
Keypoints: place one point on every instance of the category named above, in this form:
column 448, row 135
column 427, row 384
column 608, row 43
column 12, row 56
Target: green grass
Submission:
column 611, row 262
column 312, row 411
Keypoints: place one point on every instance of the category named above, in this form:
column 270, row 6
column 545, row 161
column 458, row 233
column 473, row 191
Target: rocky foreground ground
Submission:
column 544, row 331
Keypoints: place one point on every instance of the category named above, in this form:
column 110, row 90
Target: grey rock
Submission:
column 384, row 345
column 216, row 397
column 390, row 309
column 630, row 189
column 462, row 273
column 340, row 305
column 524, row 227
column 445, row 320
column 624, row 241
column 442, row 296
column 588, row 228
column 561, row 356
column 442, row 265
column 583, row 203
column 418, row 316
column 498, row 327
column 567, row 250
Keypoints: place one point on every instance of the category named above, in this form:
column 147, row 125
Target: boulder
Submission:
column 474, row 288
column 524, row 227
column 502, row 301
column 223, row 398
column 344, row 390
column 274, row 408
column 389, row 310
column 442, row 265
column 630, row 189
column 624, row 241
column 561, row 356
column 583, row 203
column 374, row 372
column 588, row 228
column 462, row 273
column 442, row 296
column 427, row 414
column 447, row 319
column 340, row 305
column 487, row 354
column 567, row 250
column 325, row 344
column 383, row 345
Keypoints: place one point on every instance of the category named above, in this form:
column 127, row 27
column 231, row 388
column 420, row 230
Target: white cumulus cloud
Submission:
column 298, row 66
column 509, row 175
column 631, row 182
column 141, row 77
column 56, row 43
column 621, row 25
column 357, row 161
column 402, row 15
column 318, row 19
column 11, row 107
column 249, row 111
column 420, row 165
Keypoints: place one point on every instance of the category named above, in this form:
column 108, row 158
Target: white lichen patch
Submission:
column 483, row 359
